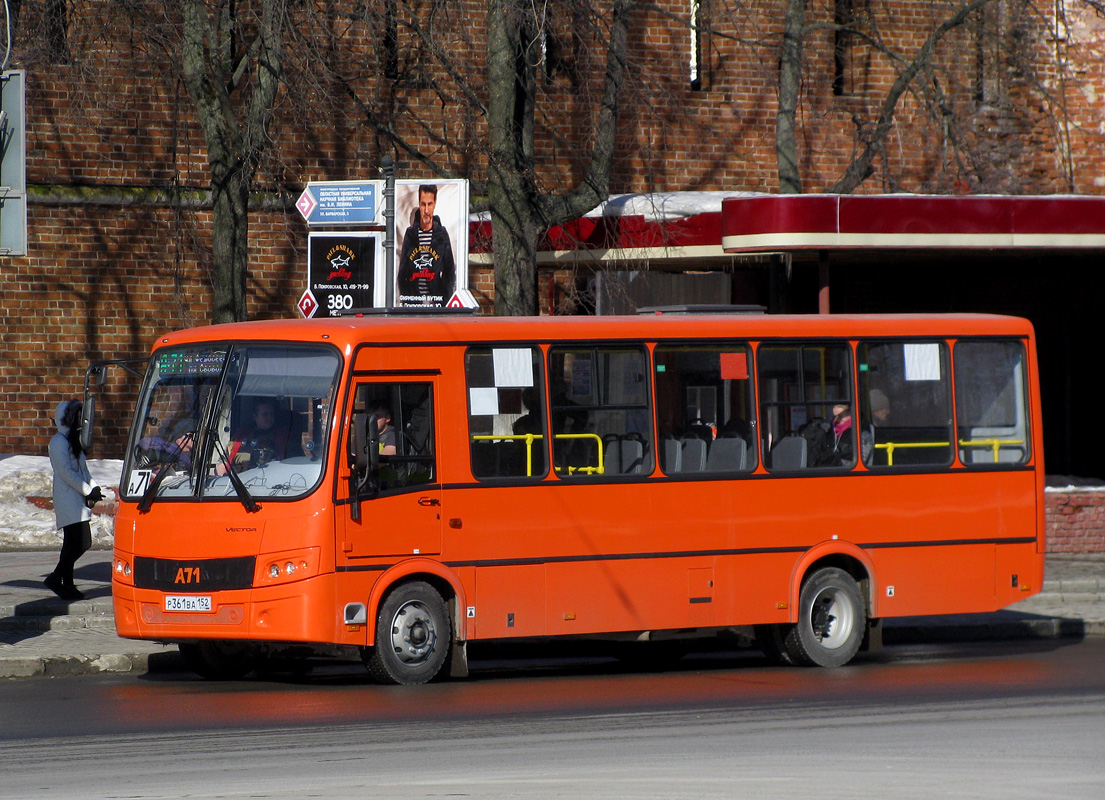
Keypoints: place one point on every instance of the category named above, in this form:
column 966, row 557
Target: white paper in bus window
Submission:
column 484, row 401
column 922, row 362
column 513, row 367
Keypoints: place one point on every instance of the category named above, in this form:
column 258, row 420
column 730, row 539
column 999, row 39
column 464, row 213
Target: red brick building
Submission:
column 119, row 245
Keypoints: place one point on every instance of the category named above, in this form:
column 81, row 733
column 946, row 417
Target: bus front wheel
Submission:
column 413, row 635
column 831, row 620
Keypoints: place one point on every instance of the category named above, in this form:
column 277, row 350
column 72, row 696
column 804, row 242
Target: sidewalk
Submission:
column 42, row 635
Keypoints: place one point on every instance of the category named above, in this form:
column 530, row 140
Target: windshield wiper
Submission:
column 151, row 491
column 244, row 496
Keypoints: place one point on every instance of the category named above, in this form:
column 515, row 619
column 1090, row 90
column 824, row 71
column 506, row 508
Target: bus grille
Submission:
column 194, row 575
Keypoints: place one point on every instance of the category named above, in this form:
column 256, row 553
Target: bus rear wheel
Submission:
column 832, row 618
column 413, row 636
column 219, row 660
column 772, row 640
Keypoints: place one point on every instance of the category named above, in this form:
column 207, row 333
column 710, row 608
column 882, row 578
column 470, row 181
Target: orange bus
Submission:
column 407, row 484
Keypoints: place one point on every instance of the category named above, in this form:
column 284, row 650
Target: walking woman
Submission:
column 75, row 492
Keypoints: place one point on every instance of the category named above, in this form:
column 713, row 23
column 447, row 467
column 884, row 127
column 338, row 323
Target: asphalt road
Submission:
column 1002, row 720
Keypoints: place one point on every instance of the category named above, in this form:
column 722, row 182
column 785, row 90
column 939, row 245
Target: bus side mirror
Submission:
column 364, row 444
column 364, row 459
column 372, row 446
column 358, row 440
column 88, row 421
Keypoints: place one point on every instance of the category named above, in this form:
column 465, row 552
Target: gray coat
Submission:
column 72, row 480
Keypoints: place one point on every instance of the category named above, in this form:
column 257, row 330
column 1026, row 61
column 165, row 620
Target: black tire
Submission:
column 772, row 640
column 219, row 660
column 413, row 636
column 832, row 618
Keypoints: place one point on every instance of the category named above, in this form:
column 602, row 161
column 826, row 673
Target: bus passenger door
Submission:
column 400, row 507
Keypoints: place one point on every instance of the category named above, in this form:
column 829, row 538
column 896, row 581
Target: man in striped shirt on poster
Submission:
column 427, row 271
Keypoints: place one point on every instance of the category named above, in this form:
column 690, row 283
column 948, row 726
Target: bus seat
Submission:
column 694, row 455
column 672, row 455
column 484, row 459
column 726, row 455
column 789, row 453
column 623, row 456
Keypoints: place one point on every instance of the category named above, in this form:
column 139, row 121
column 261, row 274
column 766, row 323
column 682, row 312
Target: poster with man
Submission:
column 431, row 234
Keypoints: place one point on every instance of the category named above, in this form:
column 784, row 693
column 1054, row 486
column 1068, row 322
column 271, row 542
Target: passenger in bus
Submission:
column 263, row 441
column 533, row 420
column 879, row 406
column 384, row 427
column 169, row 432
column 844, row 448
column 736, row 428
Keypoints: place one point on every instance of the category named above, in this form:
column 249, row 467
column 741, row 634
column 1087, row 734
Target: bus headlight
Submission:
column 288, row 566
column 121, row 571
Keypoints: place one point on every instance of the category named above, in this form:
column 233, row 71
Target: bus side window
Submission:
column 906, row 404
column 990, row 402
column 704, row 408
column 601, row 417
column 806, row 410
column 506, row 412
column 406, row 422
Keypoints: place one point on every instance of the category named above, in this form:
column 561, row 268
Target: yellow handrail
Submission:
column 996, row 444
column 601, row 468
column 992, row 443
column 529, row 439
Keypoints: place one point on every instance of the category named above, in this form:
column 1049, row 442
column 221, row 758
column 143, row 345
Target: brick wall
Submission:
column 104, row 276
column 1075, row 522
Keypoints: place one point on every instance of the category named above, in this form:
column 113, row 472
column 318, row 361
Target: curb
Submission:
column 992, row 627
column 59, row 666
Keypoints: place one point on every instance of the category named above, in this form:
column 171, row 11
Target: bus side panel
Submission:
column 950, row 579
column 510, row 601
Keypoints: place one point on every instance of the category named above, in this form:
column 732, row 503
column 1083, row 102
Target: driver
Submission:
column 263, row 441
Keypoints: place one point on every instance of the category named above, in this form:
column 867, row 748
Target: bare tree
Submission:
column 520, row 212
column 232, row 63
column 872, row 133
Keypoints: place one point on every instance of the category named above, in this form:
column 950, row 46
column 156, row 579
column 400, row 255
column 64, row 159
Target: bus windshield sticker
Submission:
column 139, row 482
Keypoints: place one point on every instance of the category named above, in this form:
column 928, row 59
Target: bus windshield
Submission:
column 214, row 418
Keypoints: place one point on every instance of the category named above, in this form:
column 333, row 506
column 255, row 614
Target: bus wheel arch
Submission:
column 414, row 635
column 843, row 556
column 832, row 619
column 831, row 609
column 441, row 578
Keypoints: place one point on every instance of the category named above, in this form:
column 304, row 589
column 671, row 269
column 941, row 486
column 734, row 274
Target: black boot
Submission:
column 54, row 584
column 72, row 592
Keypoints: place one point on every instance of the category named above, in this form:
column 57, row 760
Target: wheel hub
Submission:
column 413, row 637
column 831, row 619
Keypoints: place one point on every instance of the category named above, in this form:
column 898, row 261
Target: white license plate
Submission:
column 177, row 602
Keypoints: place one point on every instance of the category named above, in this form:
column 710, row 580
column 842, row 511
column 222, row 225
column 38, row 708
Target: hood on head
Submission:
column 67, row 414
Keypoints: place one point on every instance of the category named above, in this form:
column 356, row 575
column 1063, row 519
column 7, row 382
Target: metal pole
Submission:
column 389, row 231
